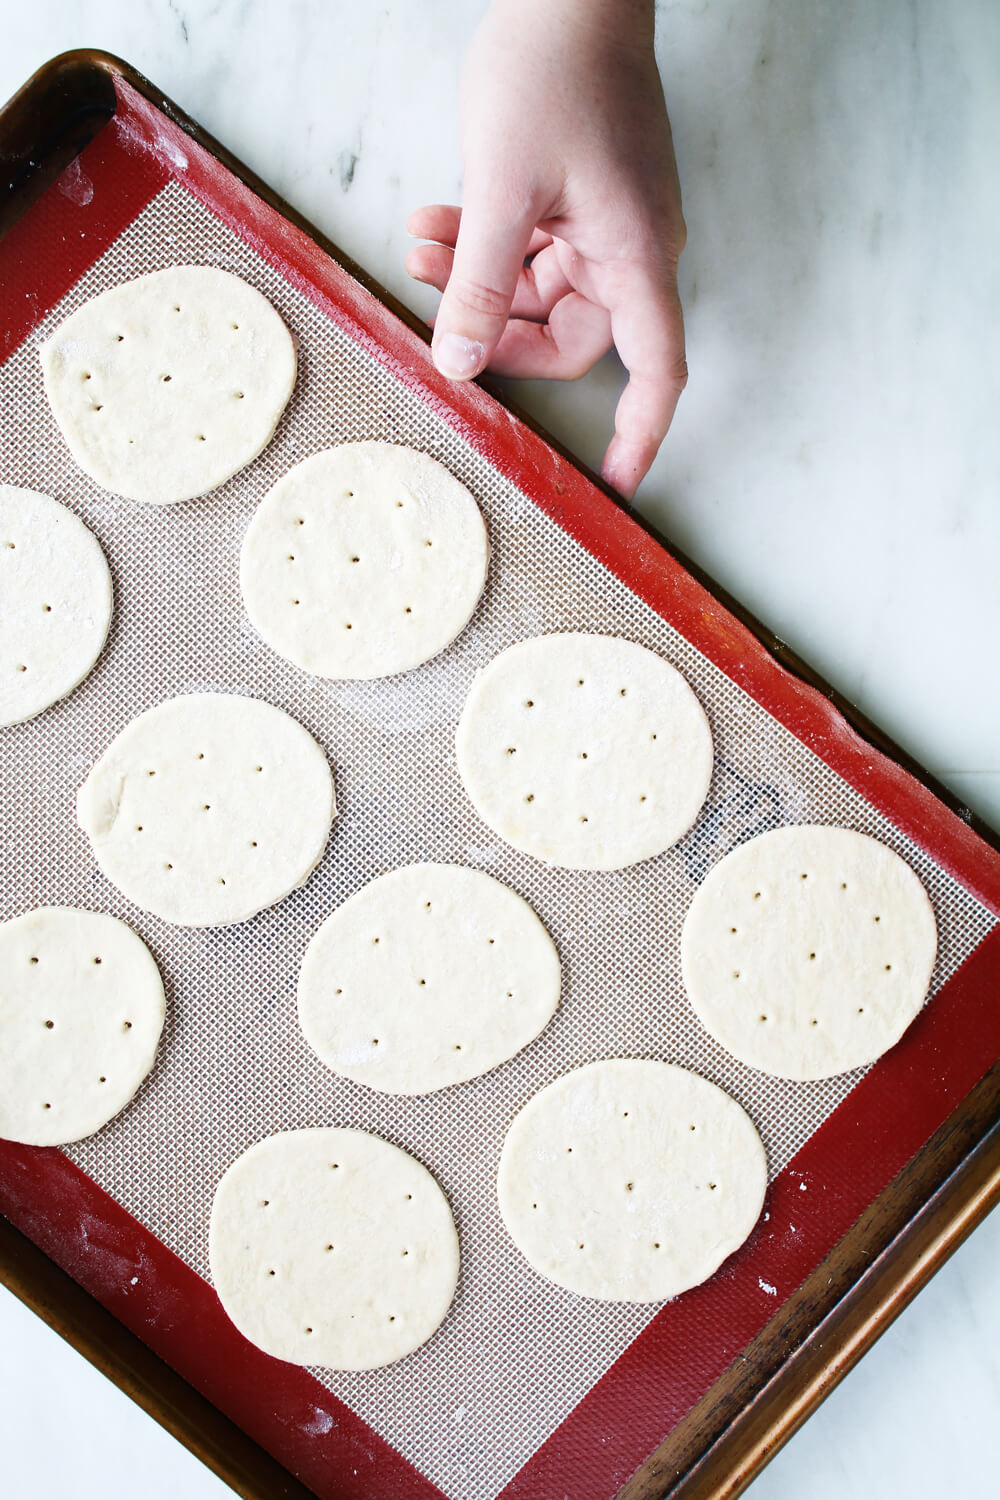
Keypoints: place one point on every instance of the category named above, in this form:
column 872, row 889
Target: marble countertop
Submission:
column 833, row 464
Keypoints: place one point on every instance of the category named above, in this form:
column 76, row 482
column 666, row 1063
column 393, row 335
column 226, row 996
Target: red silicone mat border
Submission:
column 843, row 1167
column 840, row 1169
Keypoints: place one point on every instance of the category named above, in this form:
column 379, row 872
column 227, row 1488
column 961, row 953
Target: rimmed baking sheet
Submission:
column 516, row 1356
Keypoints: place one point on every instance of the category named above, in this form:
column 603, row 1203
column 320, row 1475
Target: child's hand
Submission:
column 568, row 160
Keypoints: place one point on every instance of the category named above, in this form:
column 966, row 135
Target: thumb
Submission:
column 489, row 256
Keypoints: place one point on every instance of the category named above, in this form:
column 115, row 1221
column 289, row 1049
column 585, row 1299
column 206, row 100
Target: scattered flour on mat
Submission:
column 319, row 1423
column 75, row 185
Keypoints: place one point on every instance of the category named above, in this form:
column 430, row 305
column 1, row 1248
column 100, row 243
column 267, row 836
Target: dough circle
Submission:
column 630, row 1181
column 208, row 808
column 363, row 561
column 55, row 602
column 428, row 976
column 586, row 751
column 81, row 1012
column 808, row 951
column 331, row 1247
column 165, row 386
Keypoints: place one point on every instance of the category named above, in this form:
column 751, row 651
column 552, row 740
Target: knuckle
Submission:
column 477, row 297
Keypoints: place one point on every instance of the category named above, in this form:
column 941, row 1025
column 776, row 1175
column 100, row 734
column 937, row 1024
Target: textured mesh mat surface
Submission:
column 515, row 1354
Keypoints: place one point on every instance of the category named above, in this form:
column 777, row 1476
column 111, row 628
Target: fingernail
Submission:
column 456, row 357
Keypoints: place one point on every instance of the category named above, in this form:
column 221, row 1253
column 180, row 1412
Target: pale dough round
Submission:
column 55, row 602
column 208, row 808
column 363, row 561
column 165, row 386
column 81, row 1012
column 428, row 976
column 630, row 1181
column 331, row 1247
column 808, row 951
column 586, row 751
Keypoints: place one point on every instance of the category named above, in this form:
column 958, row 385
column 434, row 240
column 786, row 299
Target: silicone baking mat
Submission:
column 516, row 1356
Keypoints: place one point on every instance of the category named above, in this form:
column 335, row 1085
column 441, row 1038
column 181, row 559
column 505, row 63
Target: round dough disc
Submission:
column 428, row 976
column 808, row 951
column 333, row 1248
column 55, row 602
column 81, row 1012
column 584, row 750
column 208, row 808
column 630, row 1181
column 165, row 386
column 364, row 560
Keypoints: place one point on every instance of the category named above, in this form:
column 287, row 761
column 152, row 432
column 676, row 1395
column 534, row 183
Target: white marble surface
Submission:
column 833, row 463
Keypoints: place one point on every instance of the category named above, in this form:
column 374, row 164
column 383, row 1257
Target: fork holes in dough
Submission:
column 811, row 1034
column 456, row 1030
column 369, row 597
column 543, row 677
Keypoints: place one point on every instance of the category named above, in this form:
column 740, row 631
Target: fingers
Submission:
column 435, row 221
column 539, row 287
column 648, row 329
column 556, row 332
column 489, row 256
column 440, row 221
column 430, row 263
column 576, row 335
column 553, row 332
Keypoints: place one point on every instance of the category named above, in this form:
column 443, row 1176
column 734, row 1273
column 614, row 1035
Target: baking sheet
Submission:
column 515, row 1354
